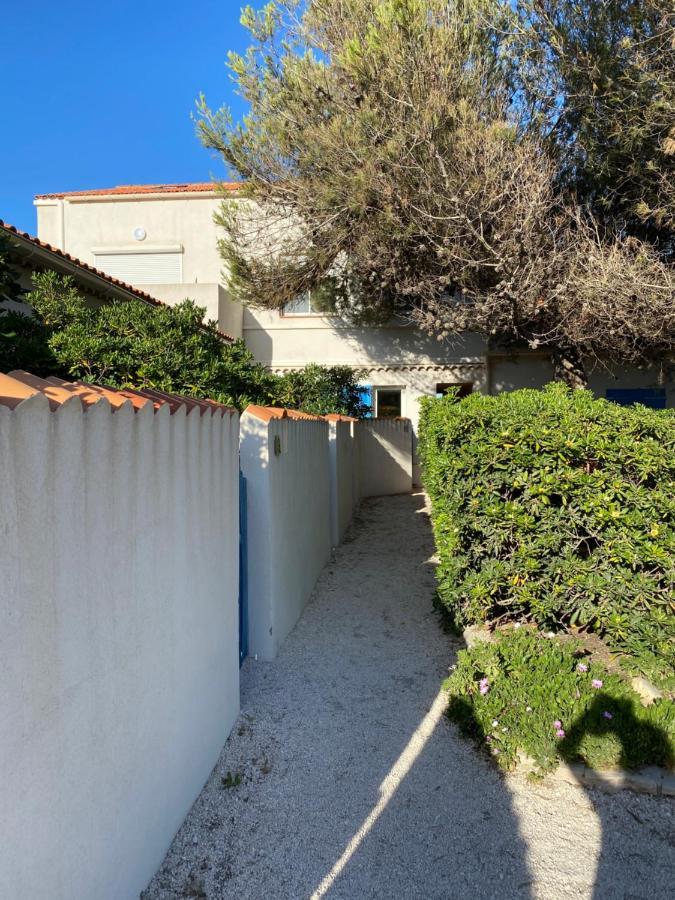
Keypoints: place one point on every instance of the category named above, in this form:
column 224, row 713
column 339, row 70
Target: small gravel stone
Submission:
column 354, row 785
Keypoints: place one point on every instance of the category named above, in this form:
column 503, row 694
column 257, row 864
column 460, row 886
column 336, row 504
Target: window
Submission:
column 142, row 268
column 311, row 303
column 464, row 388
column 653, row 397
column 387, row 403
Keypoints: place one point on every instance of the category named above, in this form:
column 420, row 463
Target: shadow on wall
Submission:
column 385, row 457
column 401, row 344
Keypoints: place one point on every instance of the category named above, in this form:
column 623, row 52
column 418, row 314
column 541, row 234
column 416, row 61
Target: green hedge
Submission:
column 559, row 508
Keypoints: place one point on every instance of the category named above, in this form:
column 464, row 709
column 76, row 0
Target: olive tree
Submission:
column 389, row 164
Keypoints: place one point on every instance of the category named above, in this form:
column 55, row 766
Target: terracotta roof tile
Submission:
column 18, row 386
column 141, row 295
column 266, row 413
column 336, row 417
column 126, row 189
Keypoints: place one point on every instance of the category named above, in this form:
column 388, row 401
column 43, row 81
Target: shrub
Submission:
column 533, row 695
column 167, row 347
column 321, row 390
column 559, row 508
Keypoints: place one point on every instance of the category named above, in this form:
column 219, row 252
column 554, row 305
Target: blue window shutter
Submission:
column 652, row 397
column 366, row 394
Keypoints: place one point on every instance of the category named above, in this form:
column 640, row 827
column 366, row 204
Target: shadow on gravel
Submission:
column 366, row 791
column 644, row 737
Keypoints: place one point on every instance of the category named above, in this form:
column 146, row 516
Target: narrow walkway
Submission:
column 344, row 780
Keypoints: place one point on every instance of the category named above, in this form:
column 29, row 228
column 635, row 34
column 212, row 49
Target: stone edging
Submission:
column 650, row 780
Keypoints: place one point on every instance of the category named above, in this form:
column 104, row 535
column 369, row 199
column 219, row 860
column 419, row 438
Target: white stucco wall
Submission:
column 289, row 536
column 344, row 475
column 81, row 225
column 510, row 373
column 386, row 457
column 396, row 355
column 119, row 638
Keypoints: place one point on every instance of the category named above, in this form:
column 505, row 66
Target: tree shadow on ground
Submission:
column 365, row 792
column 635, row 740
column 354, row 784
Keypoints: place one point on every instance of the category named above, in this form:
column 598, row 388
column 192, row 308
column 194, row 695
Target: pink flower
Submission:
column 560, row 733
column 483, row 686
column 582, row 667
column 557, row 724
column 608, row 715
column 596, row 683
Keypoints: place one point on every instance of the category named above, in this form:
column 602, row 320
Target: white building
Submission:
column 163, row 238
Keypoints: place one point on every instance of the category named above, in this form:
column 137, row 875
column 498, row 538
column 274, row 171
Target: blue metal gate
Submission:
column 243, row 572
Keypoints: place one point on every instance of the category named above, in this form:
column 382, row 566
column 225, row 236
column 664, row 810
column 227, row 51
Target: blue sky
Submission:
column 95, row 95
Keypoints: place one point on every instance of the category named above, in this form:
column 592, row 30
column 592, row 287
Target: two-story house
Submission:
column 163, row 238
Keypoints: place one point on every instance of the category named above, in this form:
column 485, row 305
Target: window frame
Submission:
column 466, row 388
column 393, row 388
column 302, row 315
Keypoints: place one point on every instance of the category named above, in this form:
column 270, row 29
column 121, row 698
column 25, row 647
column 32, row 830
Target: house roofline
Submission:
column 145, row 191
column 96, row 281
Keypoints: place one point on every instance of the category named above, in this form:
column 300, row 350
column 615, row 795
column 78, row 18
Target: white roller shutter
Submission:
column 142, row 268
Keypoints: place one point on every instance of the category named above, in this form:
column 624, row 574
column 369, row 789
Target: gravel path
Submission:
column 346, row 781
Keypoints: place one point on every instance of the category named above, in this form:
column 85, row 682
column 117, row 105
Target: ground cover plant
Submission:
column 528, row 694
column 556, row 508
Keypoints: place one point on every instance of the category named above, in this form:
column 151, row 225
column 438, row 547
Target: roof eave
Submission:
column 98, row 283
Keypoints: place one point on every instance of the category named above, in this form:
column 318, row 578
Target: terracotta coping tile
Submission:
column 203, row 403
column 137, row 397
column 18, row 386
column 266, row 413
column 58, row 393
column 174, row 400
column 112, row 393
column 13, row 392
column 115, row 397
column 299, row 414
column 336, row 417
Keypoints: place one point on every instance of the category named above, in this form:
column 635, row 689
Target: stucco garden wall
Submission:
column 286, row 465
column 345, row 475
column 119, row 638
column 386, row 456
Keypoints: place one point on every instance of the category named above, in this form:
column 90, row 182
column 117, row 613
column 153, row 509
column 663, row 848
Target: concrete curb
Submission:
column 650, row 780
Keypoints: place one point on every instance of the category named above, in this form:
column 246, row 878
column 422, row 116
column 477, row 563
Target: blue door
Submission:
column 243, row 572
